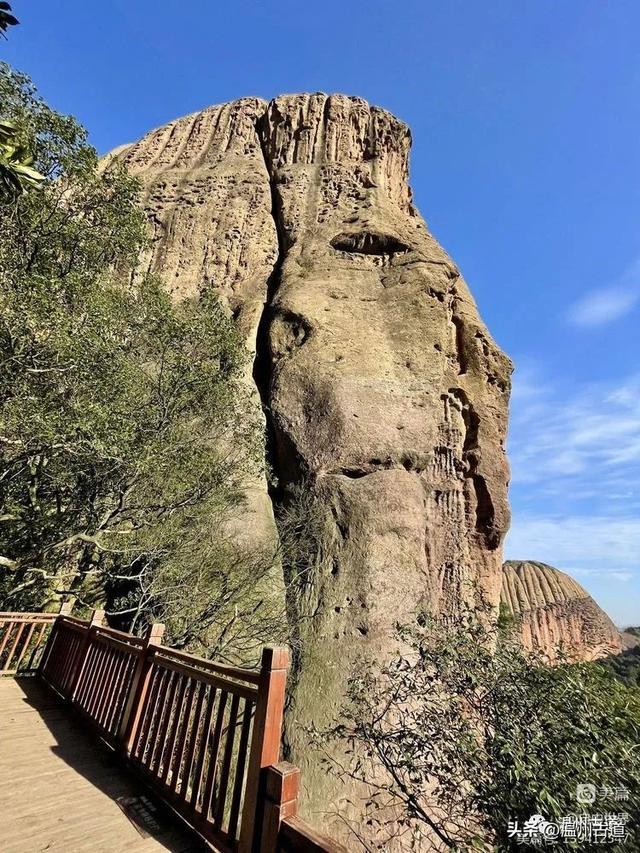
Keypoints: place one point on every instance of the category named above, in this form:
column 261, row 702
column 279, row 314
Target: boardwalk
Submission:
column 61, row 791
column 203, row 735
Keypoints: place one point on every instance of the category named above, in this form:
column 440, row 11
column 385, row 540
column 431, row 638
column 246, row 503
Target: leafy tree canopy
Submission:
column 458, row 736
column 124, row 427
column 16, row 171
column 7, row 19
column 625, row 666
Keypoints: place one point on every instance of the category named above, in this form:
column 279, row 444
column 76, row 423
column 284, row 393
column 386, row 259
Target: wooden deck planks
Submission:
column 58, row 786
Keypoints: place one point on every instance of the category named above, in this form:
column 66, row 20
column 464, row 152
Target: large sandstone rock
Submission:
column 208, row 201
column 385, row 396
column 555, row 613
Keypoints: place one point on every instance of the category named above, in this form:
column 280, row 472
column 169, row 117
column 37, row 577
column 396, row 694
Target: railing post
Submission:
column 138, row 690
column 265, row 743
column 282, row 788
column 97, row 619
column 65, row 610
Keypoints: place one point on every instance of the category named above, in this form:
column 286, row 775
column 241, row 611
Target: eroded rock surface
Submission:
column 554, row 612
column 385, row 396
column 208, row 200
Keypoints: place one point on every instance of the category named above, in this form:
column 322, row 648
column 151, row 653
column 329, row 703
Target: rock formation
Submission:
column 630, row 638
column 208, row 201
column 384, row 395
column 553, row 611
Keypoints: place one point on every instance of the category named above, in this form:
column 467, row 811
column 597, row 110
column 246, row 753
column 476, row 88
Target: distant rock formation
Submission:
column 554, row 611
column 630, row 638
column 384, row 395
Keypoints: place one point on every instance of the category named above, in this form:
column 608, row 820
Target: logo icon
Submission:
column 586, row 794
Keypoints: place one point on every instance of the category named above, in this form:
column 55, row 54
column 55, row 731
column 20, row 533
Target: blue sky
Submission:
column 526, row 166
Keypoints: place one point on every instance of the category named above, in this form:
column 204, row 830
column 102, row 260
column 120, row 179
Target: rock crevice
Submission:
column 384, row 396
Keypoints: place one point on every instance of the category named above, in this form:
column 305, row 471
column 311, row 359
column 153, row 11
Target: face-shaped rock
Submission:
column 386, row 398
column 386, row 391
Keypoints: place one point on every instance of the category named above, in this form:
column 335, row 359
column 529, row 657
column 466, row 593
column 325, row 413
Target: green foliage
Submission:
column 459, row 735
column 17, row 132
column 304, row 532
column 16, row 171
column 625, row 666
column 124, row 428
column 506, row 619
column 6, row 18
column 216, row 596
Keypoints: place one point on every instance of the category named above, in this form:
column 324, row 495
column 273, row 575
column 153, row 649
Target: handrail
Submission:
column 283, row 830
column 117, row 643
column 112, row 633
column 243, row 674
column 20, row 650
column 66, row 619
column 18, row 616
column 205, row 736
column 296, row 836
column 239, row 689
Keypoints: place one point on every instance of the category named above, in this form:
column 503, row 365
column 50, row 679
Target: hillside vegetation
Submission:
column 125, row 436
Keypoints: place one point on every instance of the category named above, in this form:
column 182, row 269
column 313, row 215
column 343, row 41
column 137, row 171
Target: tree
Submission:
column 125, row 431
column 460, row 735
column 16, row 159
column 6, row 18
column 16, row 171
column 625, row 666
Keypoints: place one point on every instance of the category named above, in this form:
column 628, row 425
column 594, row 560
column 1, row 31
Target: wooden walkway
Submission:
column 60, row 791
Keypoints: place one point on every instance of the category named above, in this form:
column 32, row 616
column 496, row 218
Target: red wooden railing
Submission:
column 22, row 638
column 205, row 736
column 282, row 829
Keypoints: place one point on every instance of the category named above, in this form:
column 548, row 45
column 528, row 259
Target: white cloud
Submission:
column 589, row 545
column 621, row 576
column 607, row 304
column 590, row 437
column 602, row 306
column 575, row 494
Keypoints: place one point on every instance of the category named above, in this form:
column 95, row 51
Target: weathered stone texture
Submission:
column 386, row 393
column 554, row 612
column 386, row 397
column 208, row 201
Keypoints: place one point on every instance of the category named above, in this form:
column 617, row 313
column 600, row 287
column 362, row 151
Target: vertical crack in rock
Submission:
column 460, row 344
column 277, row 444
column 484, row 512
column 380, row 385
column 262, row 365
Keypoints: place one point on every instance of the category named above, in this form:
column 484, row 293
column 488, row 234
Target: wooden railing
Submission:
column 93, row 667
column 205, row 736
column 282, row 830
column 22, row 638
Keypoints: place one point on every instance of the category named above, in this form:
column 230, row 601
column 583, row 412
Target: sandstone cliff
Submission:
column 384, row 395
column 553, row 611
column 208, row 201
